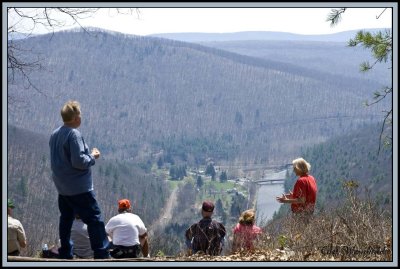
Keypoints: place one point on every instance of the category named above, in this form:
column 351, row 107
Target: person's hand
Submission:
column 95, row 153
column 290, row 195
column 282, row 198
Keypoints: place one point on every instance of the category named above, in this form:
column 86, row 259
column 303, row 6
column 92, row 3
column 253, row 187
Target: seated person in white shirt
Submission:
column 127, row 232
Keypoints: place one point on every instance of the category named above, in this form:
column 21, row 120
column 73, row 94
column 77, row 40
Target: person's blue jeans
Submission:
column 85, row 205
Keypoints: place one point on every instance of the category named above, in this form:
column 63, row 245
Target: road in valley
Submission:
column 167, row 212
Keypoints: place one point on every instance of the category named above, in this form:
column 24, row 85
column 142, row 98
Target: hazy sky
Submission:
column 219, row 20
column 299, row 20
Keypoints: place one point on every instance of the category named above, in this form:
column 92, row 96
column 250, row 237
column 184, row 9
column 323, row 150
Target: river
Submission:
column 266, row 203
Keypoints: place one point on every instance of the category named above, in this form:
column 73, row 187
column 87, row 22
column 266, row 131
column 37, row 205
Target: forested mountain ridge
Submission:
column 141, row 95
column 335, row 58
column 260, row 35
column 354, row 157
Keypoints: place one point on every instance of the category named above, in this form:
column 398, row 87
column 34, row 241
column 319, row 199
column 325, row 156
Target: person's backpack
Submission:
column 208, row 239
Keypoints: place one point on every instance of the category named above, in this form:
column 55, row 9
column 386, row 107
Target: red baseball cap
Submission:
column 124, row 204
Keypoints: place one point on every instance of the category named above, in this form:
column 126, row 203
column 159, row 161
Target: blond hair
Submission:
column 301, row 166
column 70, row 110
column 247, row 217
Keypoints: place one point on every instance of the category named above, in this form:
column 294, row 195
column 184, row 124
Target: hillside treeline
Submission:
column 335, row 58
column 140, row 92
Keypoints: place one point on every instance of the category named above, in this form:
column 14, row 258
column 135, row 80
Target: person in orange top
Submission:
column 245, row 232
column 304, row 195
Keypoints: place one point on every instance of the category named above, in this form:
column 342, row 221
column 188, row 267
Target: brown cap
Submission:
column 208, row 206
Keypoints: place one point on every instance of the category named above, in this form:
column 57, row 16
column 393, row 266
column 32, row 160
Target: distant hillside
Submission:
column 142, row 95
column 260, row 35
column 335, row 58
column 15, row 35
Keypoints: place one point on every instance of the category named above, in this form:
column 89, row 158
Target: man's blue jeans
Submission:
column 85, row 205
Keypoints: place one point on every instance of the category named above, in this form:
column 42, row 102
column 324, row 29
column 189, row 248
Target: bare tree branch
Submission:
column 386, row 120
column 377, row 17
column 26, row 20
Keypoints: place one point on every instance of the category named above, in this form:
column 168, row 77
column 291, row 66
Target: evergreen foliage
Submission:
column 210, row 171
column 223, row 177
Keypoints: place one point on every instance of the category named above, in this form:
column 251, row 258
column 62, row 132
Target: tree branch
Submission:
column 377, row 17
column 335, row 16
column 25, row 21
column 388, row 113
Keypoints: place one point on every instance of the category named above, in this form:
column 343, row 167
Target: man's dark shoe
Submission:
column 104, row 257
column 52, row 255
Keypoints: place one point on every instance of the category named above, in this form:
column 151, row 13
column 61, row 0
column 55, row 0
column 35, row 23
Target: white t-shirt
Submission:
column 125, row 228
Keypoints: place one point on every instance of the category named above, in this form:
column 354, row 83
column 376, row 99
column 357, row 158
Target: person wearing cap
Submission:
column 127, row 232
column 206, row 236
column 245, row 232
column 16, row 238
column 71, row 163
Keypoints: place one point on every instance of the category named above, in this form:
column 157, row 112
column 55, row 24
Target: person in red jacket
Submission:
column 304, row 194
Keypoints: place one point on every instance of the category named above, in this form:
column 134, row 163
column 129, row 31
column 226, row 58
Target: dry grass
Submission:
column 356, row 230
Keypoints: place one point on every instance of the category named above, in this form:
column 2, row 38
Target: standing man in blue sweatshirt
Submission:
column 71, row 164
